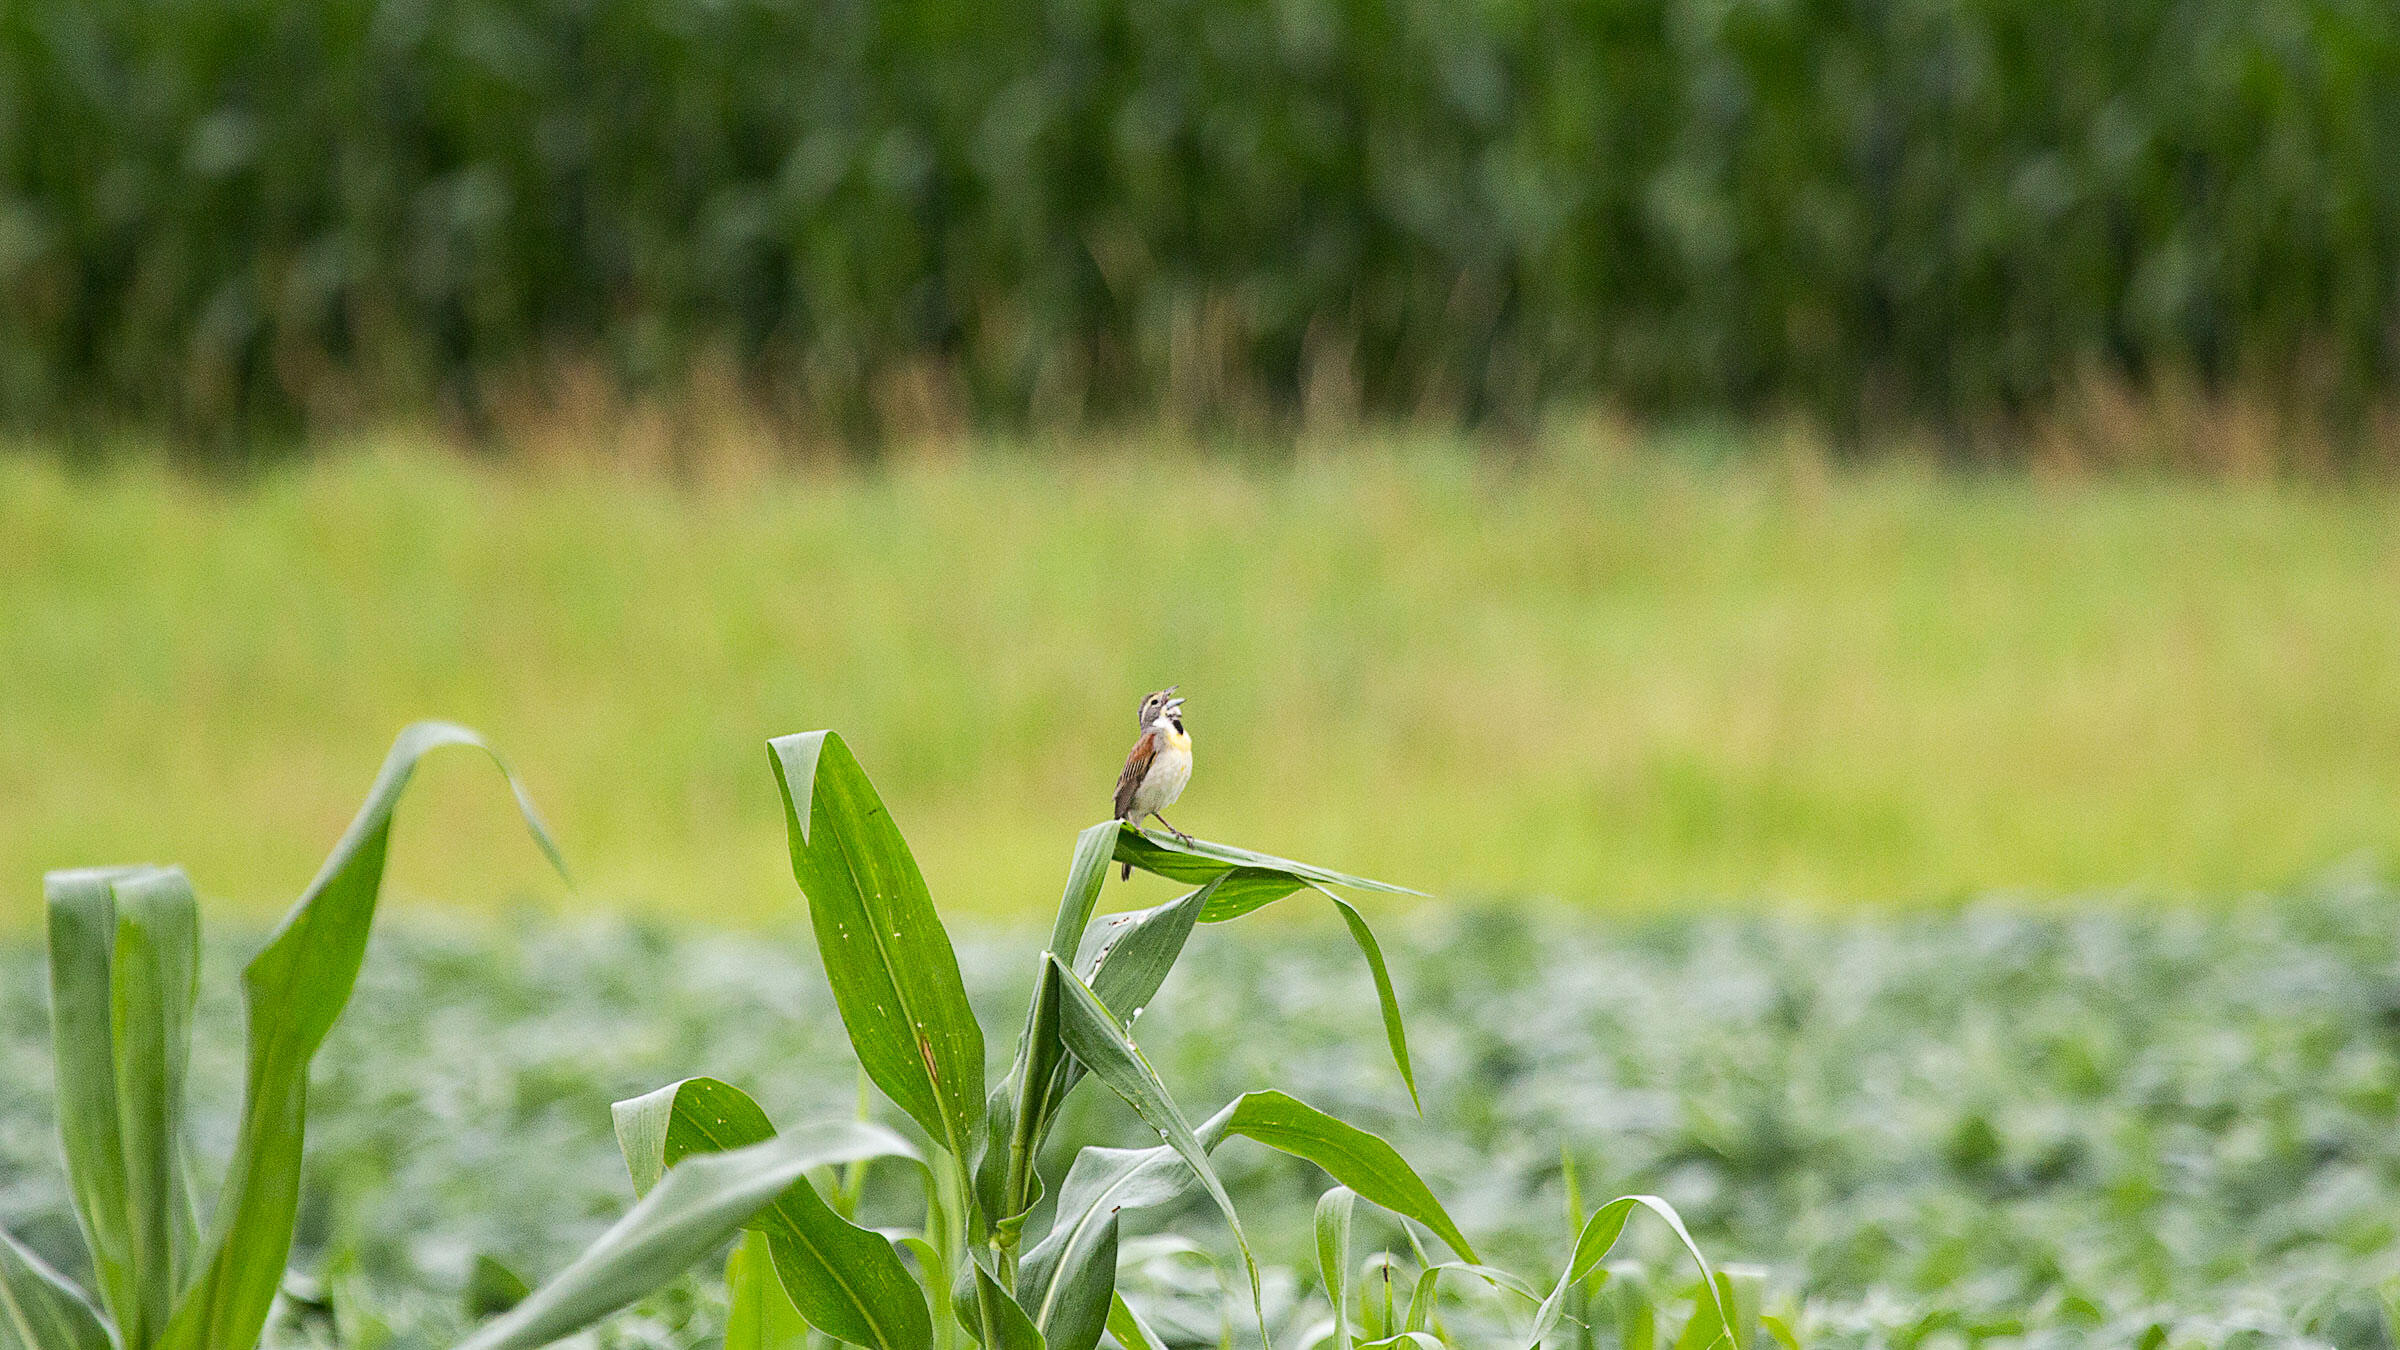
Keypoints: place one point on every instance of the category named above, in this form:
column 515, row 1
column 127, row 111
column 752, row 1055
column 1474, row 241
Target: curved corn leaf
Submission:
column 844, row 1279
column 292, row 992
column 894, row 976
column 83, row 935
column 1258, row 881
column 696, row 1205
column 1600, row 1233
column 40, row 1310
column 1420, row 1299
column 758, row 1314
column 1127, row 1326
column 1200, row 860
column 492, row 1288
column 1334, row 1210
column 1095, row 1036
column 1125, row 958
column 1246, row 890
column 1102, row 1183
column 1393, row 1030
column 1011, row 1328
column 1359, row 1160
column 1723, row 1319
column 1065, row 1288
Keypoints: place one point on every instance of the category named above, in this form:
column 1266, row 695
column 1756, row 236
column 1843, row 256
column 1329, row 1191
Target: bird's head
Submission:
column 1162, row 706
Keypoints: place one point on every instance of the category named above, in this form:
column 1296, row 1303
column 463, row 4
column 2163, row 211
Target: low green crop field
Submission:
column 1619, row 676
column 1983, row 1127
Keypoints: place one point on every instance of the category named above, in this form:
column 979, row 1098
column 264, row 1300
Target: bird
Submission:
column 1158, row 768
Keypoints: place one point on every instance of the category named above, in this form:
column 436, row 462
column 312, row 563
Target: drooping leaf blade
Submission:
column 40, row 1309
column 887, row 957
column 1202, row 860
column 1600, row 1233
column 696, row 1205
column 842, row 1278
column 1394, row 1030
column 292, row 992
column 1095, row 1036
column 1359, row 1160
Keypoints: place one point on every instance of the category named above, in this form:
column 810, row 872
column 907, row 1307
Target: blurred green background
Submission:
column 1612, row 671
column 1637, row 452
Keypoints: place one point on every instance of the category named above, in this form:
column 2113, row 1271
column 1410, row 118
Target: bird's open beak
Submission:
column 1174, row 705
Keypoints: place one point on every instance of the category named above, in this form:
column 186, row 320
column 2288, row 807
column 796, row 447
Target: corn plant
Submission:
column 707, row 1163
column 124, row 966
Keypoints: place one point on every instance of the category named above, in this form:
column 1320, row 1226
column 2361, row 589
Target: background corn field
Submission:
column 860, row 219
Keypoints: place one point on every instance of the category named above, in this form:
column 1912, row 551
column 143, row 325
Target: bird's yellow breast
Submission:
column 1175, row 738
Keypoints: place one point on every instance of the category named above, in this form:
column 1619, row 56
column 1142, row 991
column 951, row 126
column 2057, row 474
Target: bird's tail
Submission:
column 1128, row 872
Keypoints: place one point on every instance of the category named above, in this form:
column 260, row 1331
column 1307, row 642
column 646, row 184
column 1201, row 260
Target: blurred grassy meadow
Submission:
column 1625, row 673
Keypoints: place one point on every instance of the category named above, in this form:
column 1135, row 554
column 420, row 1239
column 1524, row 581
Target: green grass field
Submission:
column 1622, row 679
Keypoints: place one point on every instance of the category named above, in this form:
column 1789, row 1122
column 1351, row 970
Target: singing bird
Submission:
column 1161, row 763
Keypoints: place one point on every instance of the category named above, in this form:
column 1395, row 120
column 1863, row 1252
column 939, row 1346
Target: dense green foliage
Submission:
column 2078, row 1123
column 218, row 215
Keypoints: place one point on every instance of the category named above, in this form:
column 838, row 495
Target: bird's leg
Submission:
column 1170, row 827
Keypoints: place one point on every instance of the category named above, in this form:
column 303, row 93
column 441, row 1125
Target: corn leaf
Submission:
column 759, row 1315
column 1334, row 1211
column 1095, row 1036
column 1200, row 860
column 843, row 1279
column 292, row 992
column 1128, row 1327
column 492, row 1288
column 1011, row 1327
column 40, row 1310
column 894, row 976
column 1125, row 958
column 153, row 979
column 1359, row 1160
column 696, row 1205
column 83, row 934
column 1065, row 1287
column 1102, row 1183
column 1394, row 1031
column 1600, row 1233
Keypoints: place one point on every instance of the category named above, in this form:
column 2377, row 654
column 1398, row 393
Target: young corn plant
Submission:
column 124, row 966
column 708, row 1165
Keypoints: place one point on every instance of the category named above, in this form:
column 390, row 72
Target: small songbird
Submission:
column 1161, row 763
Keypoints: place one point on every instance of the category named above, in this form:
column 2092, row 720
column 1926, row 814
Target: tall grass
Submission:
column 1618, row 672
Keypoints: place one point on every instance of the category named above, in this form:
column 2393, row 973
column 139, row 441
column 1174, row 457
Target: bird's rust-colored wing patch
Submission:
column 1137, row 765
